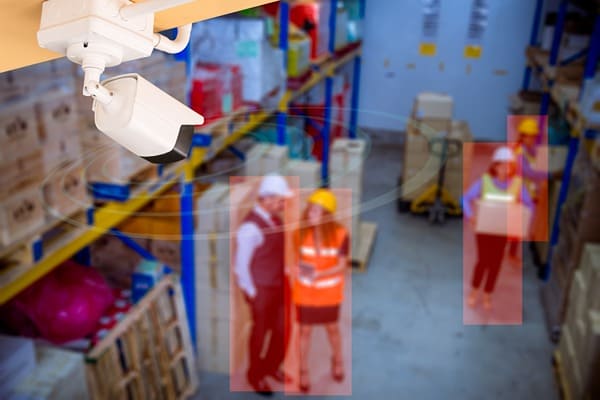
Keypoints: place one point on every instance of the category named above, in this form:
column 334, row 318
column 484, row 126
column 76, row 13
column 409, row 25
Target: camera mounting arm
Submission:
column 99, row 34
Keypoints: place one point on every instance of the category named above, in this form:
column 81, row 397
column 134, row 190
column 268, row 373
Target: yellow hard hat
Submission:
column 324, row 198
column 529, row 127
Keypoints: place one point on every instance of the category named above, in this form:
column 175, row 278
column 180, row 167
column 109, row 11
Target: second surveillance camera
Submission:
column 146, row 120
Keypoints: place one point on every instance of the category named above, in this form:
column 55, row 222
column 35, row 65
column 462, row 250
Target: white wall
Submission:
column 393, row 33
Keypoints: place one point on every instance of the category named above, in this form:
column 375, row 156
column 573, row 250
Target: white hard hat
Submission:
column 274, row 185
column 504, row 154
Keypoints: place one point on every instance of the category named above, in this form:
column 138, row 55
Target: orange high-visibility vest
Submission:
column 326, row 291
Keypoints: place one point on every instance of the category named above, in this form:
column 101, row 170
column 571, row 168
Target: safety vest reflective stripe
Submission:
column 489, row 190
column 324, row 251
column 308, row 251
column 321, row 283
column 499, row 197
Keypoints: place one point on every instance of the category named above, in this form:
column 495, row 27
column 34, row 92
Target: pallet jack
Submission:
column 437, row 200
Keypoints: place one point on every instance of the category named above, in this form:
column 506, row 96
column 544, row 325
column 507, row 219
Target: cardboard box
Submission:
column 570, row 365
column 347, row 155
column 308, row 173
column 213, row 260
column 214, row 345
column 253, row 166
column 57, row 112
column 212, row 209
column 263, row 159
column 17, row 361
column 21, row 214
column 590, row 271
column 503, row 218
column 298, row 56
column 18, row 130
column 59, row 374
column 167, row 252
column 275, row 159
column 261, row 64
column 65, row 190
column 22, row 171
column 116, row 261
column 434, row 106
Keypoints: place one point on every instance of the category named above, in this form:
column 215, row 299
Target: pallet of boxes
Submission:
column 577, row 359
column 578, row 225
column 430, row 123
column 41, row 171
column 346, row 171
column 213, row 278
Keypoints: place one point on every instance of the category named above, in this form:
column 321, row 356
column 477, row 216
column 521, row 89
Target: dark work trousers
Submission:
column 514, row 247
column 490, row 252
column 270, row 313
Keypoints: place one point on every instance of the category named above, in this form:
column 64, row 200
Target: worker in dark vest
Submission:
column 259, row 267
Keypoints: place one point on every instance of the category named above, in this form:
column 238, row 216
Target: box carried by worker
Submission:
column 503, row 218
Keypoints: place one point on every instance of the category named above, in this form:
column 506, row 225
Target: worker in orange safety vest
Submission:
column 318, row 289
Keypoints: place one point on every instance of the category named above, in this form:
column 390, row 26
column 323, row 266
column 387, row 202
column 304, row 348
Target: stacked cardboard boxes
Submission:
column 40, row 166
column 346, row 170
column 578, row 225
column 308, row 173
column 243, row 42
column 212, row 278
column 64, row 188
column 430, row 124
column 579, row 346
column 220, row 211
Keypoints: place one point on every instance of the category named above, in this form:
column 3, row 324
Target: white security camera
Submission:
column 104, row 33
column 145, row 120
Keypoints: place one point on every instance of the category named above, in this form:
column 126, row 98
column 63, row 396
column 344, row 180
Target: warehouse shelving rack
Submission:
column 324, row 71
column 568, row 103
column 104, row 219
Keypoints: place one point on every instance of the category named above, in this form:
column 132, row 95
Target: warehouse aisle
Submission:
column 409, row 340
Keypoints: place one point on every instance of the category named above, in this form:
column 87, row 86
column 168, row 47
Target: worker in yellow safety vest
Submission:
column 526, row 151
column 318, row 289
column 500, row 183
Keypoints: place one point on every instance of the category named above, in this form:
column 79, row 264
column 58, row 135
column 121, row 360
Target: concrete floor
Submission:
column 409, row 340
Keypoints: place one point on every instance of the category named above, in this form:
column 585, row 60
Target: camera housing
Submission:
column 146, row 120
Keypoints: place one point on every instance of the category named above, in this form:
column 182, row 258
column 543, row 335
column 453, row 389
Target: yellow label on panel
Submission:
column 427, row 49
column 472, row 51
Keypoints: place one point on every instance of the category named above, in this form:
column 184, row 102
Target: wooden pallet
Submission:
column 360, row 260
column 149, row 354
column 559, row 377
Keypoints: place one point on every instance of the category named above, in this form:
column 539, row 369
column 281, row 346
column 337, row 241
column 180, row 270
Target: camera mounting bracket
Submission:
column 104, row 33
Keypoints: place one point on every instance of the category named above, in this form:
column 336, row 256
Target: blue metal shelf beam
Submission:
column 537, row 17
